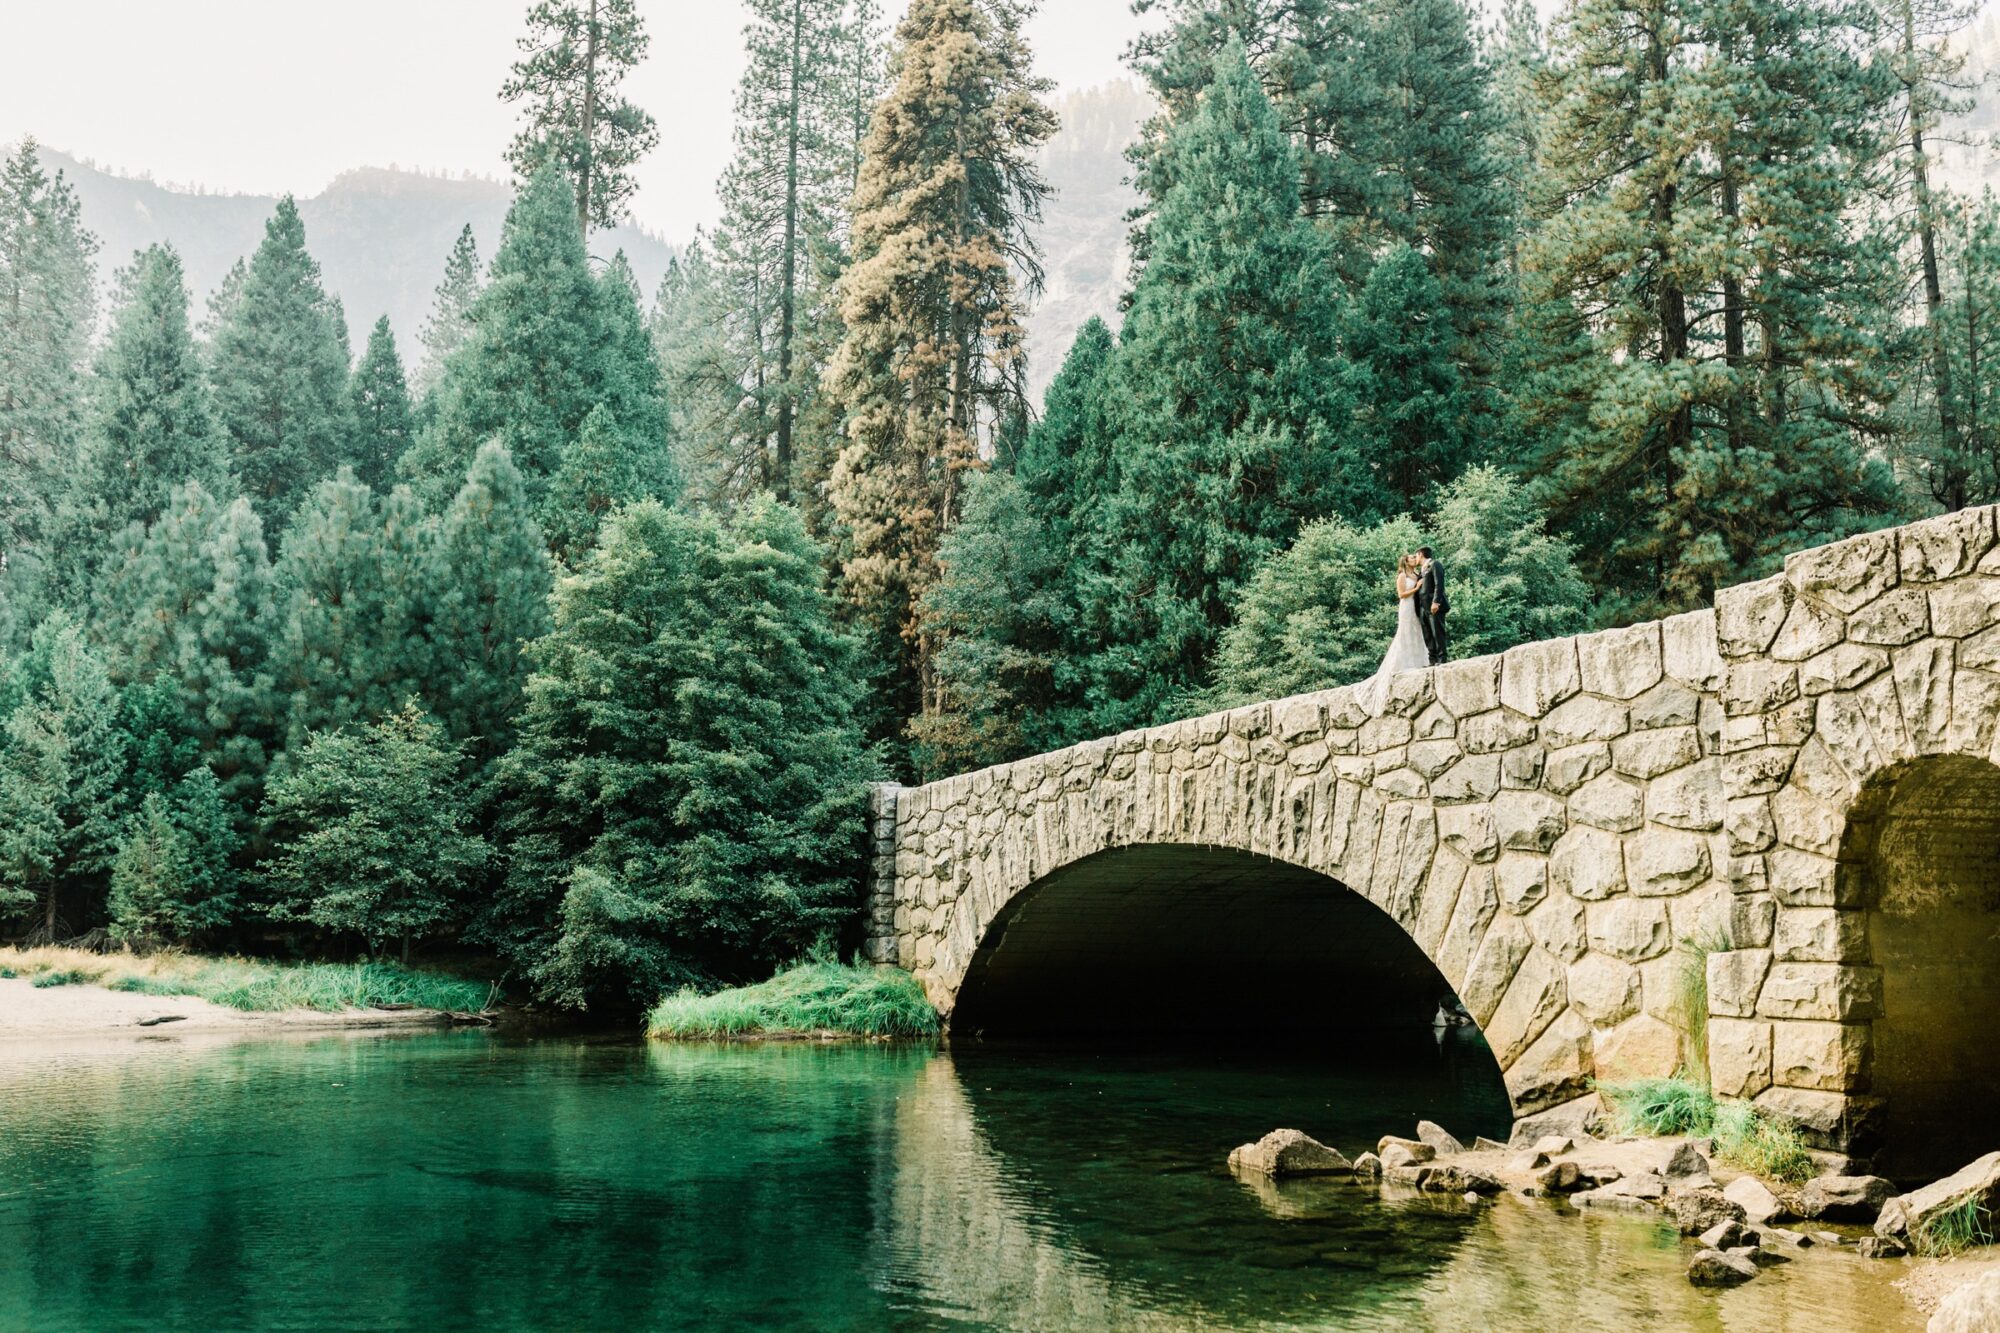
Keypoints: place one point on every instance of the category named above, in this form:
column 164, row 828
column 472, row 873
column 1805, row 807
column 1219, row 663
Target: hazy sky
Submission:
column 265, row 96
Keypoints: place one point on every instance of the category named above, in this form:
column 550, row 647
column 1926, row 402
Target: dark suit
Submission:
column 1431, row 592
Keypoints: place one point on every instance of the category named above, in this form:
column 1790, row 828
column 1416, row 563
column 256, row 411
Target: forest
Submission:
column 570, row 631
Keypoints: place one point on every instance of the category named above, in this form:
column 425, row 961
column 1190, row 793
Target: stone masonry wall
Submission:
column 1547, row 824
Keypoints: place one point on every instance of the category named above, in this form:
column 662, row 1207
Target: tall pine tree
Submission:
column 380, row 402
column 574, row 56
column 450, row 321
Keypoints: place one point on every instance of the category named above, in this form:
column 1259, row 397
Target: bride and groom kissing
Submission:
column 1421, row 607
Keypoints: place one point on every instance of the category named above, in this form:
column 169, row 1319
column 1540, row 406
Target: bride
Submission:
column 1406, row 650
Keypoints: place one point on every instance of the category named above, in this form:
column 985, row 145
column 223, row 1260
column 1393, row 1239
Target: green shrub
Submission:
column 1965, row 1225
column 1767, row 1145
column 812, row 996
column 1661, row 1106
column 68, row 978
column 1744, row 1136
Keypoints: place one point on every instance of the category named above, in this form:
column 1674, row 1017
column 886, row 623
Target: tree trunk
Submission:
column 406, row 948
column 789, row 259
column 589, row 144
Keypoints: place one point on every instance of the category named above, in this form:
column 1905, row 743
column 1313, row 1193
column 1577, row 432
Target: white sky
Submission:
column 268, row 96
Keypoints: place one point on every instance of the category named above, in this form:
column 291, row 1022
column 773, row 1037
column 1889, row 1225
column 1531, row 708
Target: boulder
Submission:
column 1831, row 1239
column 1412, row 1177
column 1758, row 1255
column 1696, row 1210
column 1484, row 1144
column 1572, row 1118
column 1685, row 1164
column 1449, row 1179
column 1629, row 1193
column 1882, row 1247
column 1755, row 1198
column 1288, row 1152
column 1713, row 1268
column 1973, row 1308
column 1418, row 1150
column 1908, row 1212
column 1528, row 1161
column 1845, row 1198
column 1555, row 1145
column 1440, row 1141
column 1729, row 1235
column 1368, row 1167
column 1797, row 1239
column 1399, row 1155
column 1560, row 1178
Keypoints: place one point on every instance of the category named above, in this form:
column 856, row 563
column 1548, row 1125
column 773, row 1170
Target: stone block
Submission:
column 1846, row 667
column 1633, row 929
column 1804, row 879
column 1385, row 733
column 1538, row 993
column 1735, row 978
column 1667, row 704
column 1522, row 880
column 1436, row 723
column 1688, row 798
column 1473, row 778
column 1946, row 546
column 1752, row 772
column 1827, row 1118
column 1431, row 758
column 1757, row 685
column 1588, row 864
column 1749, row 615
column 1555, row 1069
column 1535, row 677
column 1640, row 1047
column 1894, row 619
column 1604, row 990
column 1585, row 717
column 1493, row 966
column 1566, row 770
column 1750, row 825
column 1923, row 674
column 1522, row 768
column 1832, row 992
column 1821, row 935
column 1494, row 731
column 1557, row 923
column 1468, row 830
column 1296, row 720
column 1739, row 1056
column 1975, row 712
column 1847, row 575
column 1752, row 920
column 1288, row 1152
column 1609, row 802
column 1808, row 629
column 1831, row 1057
column 1964, row 606
column 1648, row 754
column 1621, row 663
column 1468, row 687
column 1801, row 820
column 1528, row 821
column 1661, row 864
column 1692, row 653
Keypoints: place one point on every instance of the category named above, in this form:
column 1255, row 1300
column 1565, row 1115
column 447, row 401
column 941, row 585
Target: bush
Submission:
column 1661, row 1106
column 248, row 984
column 813, row 996
column 65, row 978
column 1744, row 1136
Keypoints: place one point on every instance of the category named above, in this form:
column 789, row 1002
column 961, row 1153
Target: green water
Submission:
column 471, row 1181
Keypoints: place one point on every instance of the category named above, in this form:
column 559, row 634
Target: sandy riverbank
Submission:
column 57, row 1012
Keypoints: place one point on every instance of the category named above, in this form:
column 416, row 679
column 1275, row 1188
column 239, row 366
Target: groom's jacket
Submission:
column 1431, row 591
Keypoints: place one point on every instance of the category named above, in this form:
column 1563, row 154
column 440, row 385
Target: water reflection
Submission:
column 459, row 1181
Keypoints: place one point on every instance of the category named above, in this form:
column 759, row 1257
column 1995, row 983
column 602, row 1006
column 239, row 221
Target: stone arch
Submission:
column 1920, row 863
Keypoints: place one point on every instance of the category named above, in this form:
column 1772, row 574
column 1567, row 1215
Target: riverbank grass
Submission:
column 249, row 984
column 1744, row 1136
column 816, row 996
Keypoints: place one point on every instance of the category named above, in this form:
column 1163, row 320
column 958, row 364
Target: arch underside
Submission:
column 1195, row 940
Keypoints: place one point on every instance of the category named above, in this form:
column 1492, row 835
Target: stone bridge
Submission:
column 1765, row 835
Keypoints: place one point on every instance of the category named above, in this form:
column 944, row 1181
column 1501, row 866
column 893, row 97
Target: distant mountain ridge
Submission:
column 380, row 235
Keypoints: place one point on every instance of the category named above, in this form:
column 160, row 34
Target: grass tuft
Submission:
column 1963, row 1226
column 250, row 985
column 812, row 996
column 1661, row 1106
column 1761, row 1143
column 1744, row 1136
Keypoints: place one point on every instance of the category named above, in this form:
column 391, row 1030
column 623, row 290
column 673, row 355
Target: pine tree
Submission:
column 280, row 369
column 1708, row 373
column 1411, row 431
column 173, row 878
column 450, row 321
column 574, row 57
column 380, row 403
column 47, row 314
column 490, row 577
column 152, row 426
column 682, row 799
column 374, row 832
column 1226, row 395
column 948, row 188
column 705, row 398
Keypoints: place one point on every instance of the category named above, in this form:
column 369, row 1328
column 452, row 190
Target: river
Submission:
column 473, row 1180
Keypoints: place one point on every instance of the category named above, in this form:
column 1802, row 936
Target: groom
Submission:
column 1433, row 604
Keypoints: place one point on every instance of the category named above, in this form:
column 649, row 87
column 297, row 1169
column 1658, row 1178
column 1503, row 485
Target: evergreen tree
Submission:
column 351, row 584
column 47, row 313
column 683, row 799
column 1226, row 396
column 62, row 765
column 450, row 321
column 1411, row 431
column 174, row 877
column 705, row 398
column 574, row 57
column 280, row 368
column 1317, row 614
column 947, row 191
column 186, row 608
column 490, row 580
column 1970, row 320
column 375, row 833
column 152, row 427
column 380, row 402
column 1707, row 372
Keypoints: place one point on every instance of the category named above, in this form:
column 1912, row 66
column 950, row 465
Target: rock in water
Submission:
column 1908, row 1212
column 1713, row 1268
column 1882, row 1247
column 1755, row 1198
column 1560, row 1178
column 1696, row 1210
column 1729, row 1235
column 1419, row 1150
column 1973, row 1308
column 1458, row 1180
column 1368, row 1167
column 1845, row 1198
column 1440, row 1140
column 1288, row 1152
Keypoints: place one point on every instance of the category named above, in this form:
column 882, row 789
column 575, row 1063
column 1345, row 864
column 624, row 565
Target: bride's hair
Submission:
column 1405, row 563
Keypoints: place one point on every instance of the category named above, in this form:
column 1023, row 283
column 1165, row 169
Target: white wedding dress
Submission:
column 1406, row 653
